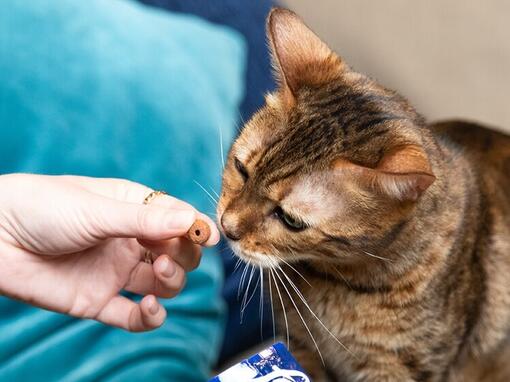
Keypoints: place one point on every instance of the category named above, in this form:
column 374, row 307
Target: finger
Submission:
column 165, row 278
column 113, row 188
column 149, row 222
column 181, row 250
column 123, row 313
column 122, row 190
column 120, row 193
column 170, row 276
column 171, row 202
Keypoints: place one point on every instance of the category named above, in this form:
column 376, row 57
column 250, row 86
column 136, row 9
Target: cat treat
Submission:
column 199, row 232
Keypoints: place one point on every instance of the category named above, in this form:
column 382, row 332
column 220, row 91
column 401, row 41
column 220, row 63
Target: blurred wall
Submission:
column 451, row 58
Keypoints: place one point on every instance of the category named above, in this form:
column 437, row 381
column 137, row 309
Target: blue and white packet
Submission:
column 272, row 364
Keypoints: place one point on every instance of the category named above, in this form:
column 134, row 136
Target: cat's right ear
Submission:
column 300, row 57
column 403, row 173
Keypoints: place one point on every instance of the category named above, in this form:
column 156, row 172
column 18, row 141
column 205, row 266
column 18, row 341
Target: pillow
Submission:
column 115, row 89
column 249, row 18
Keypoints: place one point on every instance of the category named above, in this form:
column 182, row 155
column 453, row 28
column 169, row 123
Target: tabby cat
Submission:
column 396, row 233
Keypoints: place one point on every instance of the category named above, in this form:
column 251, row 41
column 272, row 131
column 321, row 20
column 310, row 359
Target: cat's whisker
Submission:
column 205, row 190
column 220, row 134
column 273, row 271
column 242, row 274
column 377, row 257
column 246, row 293
column 300, row 316
column 215, row 193
column 261, row 300
column 242, row 121
column 248, row 283
column 238, row 264
column 247, row 268
column 342, row 277
column 252, row 293
column 241, row 281
column 291, row 283
column 293, row 268
column 272, row 308
column 212, row 200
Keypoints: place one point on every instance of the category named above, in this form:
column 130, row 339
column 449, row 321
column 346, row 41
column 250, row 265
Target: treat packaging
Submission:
column 274, row 364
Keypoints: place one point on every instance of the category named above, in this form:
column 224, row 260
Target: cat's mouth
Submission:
column 256, row 258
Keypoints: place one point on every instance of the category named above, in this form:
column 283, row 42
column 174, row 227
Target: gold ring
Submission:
column 153, row 195
column 148, row 255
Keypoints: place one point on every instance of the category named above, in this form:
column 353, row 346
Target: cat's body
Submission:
column 425, row 325
column 401, row 230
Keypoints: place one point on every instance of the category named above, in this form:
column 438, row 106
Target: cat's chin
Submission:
column 254, row 258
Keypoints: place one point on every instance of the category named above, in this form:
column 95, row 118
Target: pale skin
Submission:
column 71, row 244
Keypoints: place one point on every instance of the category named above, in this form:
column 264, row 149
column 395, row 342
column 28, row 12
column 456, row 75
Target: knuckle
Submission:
column 143, row 221
column 130, row 246
column 131, row 191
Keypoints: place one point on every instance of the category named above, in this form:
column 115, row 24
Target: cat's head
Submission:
column 333, row 163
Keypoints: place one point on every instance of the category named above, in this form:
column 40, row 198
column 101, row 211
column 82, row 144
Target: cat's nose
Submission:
column 230, row 226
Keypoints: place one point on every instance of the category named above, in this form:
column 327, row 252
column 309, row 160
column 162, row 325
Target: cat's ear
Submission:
column 299, row 56
column 403, row 173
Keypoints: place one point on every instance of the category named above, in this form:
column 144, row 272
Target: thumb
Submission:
column 150, row 222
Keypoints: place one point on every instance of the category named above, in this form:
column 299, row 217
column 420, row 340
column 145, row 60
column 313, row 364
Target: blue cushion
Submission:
column 113, row 88
column 249, row 18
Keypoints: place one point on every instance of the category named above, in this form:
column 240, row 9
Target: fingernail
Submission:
column 180, row 219
column 154, row 308
column 167, row 268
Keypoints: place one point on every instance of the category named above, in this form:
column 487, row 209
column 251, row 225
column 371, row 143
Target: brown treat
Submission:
column 199, row 232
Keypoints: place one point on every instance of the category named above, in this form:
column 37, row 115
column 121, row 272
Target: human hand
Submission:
column 70, row 244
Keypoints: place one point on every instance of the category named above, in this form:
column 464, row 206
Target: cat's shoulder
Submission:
column 484, row 145
column 472, row 135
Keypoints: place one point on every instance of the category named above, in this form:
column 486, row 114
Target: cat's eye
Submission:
column 289, row 221
column 241, row 169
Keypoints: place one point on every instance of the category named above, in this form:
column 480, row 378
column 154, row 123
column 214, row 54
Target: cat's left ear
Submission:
column 404, row 173
column 299, row 55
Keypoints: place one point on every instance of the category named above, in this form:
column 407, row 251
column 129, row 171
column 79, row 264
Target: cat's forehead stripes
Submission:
column 328, row 123
column 251, row 142
column 258, row 134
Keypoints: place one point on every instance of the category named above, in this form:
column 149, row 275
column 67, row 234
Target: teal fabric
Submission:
column 115, row 89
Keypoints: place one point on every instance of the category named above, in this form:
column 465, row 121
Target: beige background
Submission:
column 451, row 58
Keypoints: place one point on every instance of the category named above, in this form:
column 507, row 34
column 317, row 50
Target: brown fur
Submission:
column 407, row 238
